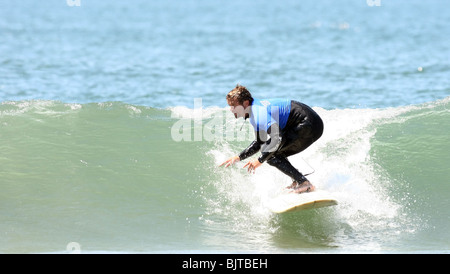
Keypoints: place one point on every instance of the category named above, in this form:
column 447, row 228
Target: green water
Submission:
column 413, row 150
column 110, row 177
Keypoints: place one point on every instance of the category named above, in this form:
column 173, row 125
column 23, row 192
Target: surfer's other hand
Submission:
column 252, row 165
column 230, row 161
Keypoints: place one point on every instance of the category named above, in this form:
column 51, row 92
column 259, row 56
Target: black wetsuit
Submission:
column 303, row 127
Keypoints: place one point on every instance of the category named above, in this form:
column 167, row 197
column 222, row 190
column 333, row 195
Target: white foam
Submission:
column 200, row 113
column 44, row 107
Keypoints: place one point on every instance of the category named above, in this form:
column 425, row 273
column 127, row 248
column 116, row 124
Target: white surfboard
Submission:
column 289, row 202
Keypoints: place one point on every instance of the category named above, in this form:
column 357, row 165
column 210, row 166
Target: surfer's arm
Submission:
column 271, row 145
column 254, row 147
column 267, row 148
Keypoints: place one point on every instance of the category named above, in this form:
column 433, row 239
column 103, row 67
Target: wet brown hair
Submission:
column 239, row 94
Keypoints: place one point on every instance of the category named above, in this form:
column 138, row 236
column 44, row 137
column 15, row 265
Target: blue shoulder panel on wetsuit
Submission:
column 269, row 111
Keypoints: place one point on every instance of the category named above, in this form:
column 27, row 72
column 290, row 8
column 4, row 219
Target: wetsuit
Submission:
column 282, row 128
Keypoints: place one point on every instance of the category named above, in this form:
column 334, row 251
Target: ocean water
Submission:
column 113, row 122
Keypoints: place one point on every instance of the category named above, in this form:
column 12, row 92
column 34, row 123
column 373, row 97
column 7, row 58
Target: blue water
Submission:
column 164, row 54
column 89, row 95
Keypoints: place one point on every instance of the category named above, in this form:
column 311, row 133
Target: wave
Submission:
column 118, row 176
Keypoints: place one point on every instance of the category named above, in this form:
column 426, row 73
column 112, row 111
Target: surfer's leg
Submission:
column 295, row 140
column 300, row 182
column 299, row 135
column 283, row 164
column 300, row 138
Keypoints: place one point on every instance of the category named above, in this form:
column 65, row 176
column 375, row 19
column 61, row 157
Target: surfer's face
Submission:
column 238, row 110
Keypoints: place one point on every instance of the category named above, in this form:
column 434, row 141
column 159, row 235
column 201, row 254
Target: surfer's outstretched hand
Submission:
column 252, row 165
column 230, row 161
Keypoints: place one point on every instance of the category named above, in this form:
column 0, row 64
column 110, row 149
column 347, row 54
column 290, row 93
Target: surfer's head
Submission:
column 240, row 100
column 239, row 94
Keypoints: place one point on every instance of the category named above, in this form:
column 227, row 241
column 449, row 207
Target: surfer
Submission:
column 282, row 128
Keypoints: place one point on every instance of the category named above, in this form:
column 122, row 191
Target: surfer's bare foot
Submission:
column 293, row 185
column 306, row 186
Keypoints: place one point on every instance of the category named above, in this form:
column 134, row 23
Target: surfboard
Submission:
column 290, row 202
